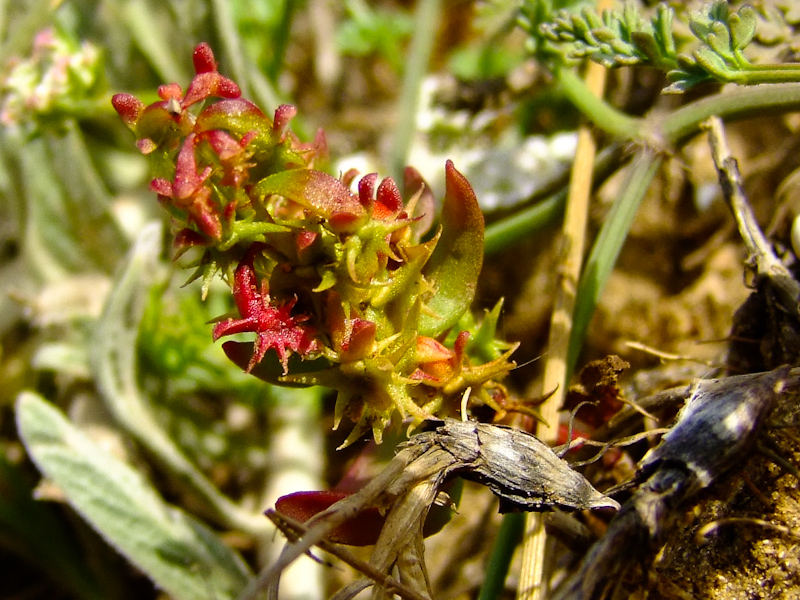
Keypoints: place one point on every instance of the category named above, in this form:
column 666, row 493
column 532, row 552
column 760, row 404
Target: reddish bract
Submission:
column 361, row 530
column 274, row 325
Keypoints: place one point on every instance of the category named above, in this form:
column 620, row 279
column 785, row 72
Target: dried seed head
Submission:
column 521, row 470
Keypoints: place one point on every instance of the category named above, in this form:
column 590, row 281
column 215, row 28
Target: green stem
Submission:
column 667, row 131
column 735, row 104
column 658, row 132
column 522, row 225
column 759, row 74
column 516, row 227
column 606, row 249
column 508, row 538
column 598, row 111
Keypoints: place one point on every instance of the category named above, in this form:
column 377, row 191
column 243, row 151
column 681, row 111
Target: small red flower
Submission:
column 128, row 107
column 274, row 325
column 386, row 203
column 353, row 338
column 168, row 119
column 189, row 192
column 437, row 363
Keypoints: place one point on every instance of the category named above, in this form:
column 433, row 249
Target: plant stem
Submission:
column 761, row 74
column 737, row 103
column 597, row 110
column 510, row 230
column 665, row 132
column 508, row 537
column 524, row 224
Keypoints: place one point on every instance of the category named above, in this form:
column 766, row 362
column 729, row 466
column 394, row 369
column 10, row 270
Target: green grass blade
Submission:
column 606, row 249
column 508, row 538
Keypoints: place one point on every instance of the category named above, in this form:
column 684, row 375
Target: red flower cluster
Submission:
column 340, row 279
column 274, row 325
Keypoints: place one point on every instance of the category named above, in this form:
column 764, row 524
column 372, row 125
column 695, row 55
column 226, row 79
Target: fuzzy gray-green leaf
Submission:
column 181, row 555
column 719, row 40
column 743, row 27
column 711, row 62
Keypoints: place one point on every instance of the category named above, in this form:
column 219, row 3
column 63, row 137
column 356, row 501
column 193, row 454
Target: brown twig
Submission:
column 709, row 528
column 294, row 530
column 766, row 263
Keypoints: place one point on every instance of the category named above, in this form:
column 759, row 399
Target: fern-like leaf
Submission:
column 626, row 38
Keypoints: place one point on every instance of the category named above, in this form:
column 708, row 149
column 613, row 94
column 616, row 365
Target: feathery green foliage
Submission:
column 627, row 37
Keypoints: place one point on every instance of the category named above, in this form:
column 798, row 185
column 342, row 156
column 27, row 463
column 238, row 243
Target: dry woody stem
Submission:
column 525, row 473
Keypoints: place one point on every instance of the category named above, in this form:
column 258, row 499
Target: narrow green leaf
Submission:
column 181, row 555
column 662, row 27
column 580, row 25
column 593, row 20
column 508, row 538
column 456, row 262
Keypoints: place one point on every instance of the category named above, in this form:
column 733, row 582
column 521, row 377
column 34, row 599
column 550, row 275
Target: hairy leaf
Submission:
column 181, row 555
column 626, row 38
